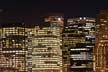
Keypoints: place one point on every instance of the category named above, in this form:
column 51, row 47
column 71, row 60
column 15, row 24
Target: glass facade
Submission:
column 78, row 43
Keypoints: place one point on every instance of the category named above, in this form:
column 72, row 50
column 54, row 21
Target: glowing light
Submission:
column 80, row 18
column 84, row 18
column 59, row 19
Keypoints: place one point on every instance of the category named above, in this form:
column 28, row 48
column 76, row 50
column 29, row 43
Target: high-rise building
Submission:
column 47, row 53
column 3, row 61
column 78, row 44
column 101, row 50
column 13, row 46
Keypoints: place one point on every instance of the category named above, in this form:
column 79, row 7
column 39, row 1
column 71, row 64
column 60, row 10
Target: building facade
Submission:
column 47, row 54
column 13, row 47
column 78, row 43
column 101, row 50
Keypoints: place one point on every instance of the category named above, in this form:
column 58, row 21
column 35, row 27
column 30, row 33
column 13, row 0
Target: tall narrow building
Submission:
column 101, row 50
column 78, row 44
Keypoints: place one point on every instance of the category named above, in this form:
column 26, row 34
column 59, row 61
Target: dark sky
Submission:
column 31, row 10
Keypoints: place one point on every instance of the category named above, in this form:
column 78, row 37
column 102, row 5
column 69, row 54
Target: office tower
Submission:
column 3, row 62
column 101, row 50
column 78, row 43
column 14, row 47
column 47, row 54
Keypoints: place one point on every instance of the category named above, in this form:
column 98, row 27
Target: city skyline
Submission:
column 79, row 45
column 54, row 36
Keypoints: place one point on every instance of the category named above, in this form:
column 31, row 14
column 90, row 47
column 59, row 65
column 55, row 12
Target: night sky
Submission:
column 30, row 11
